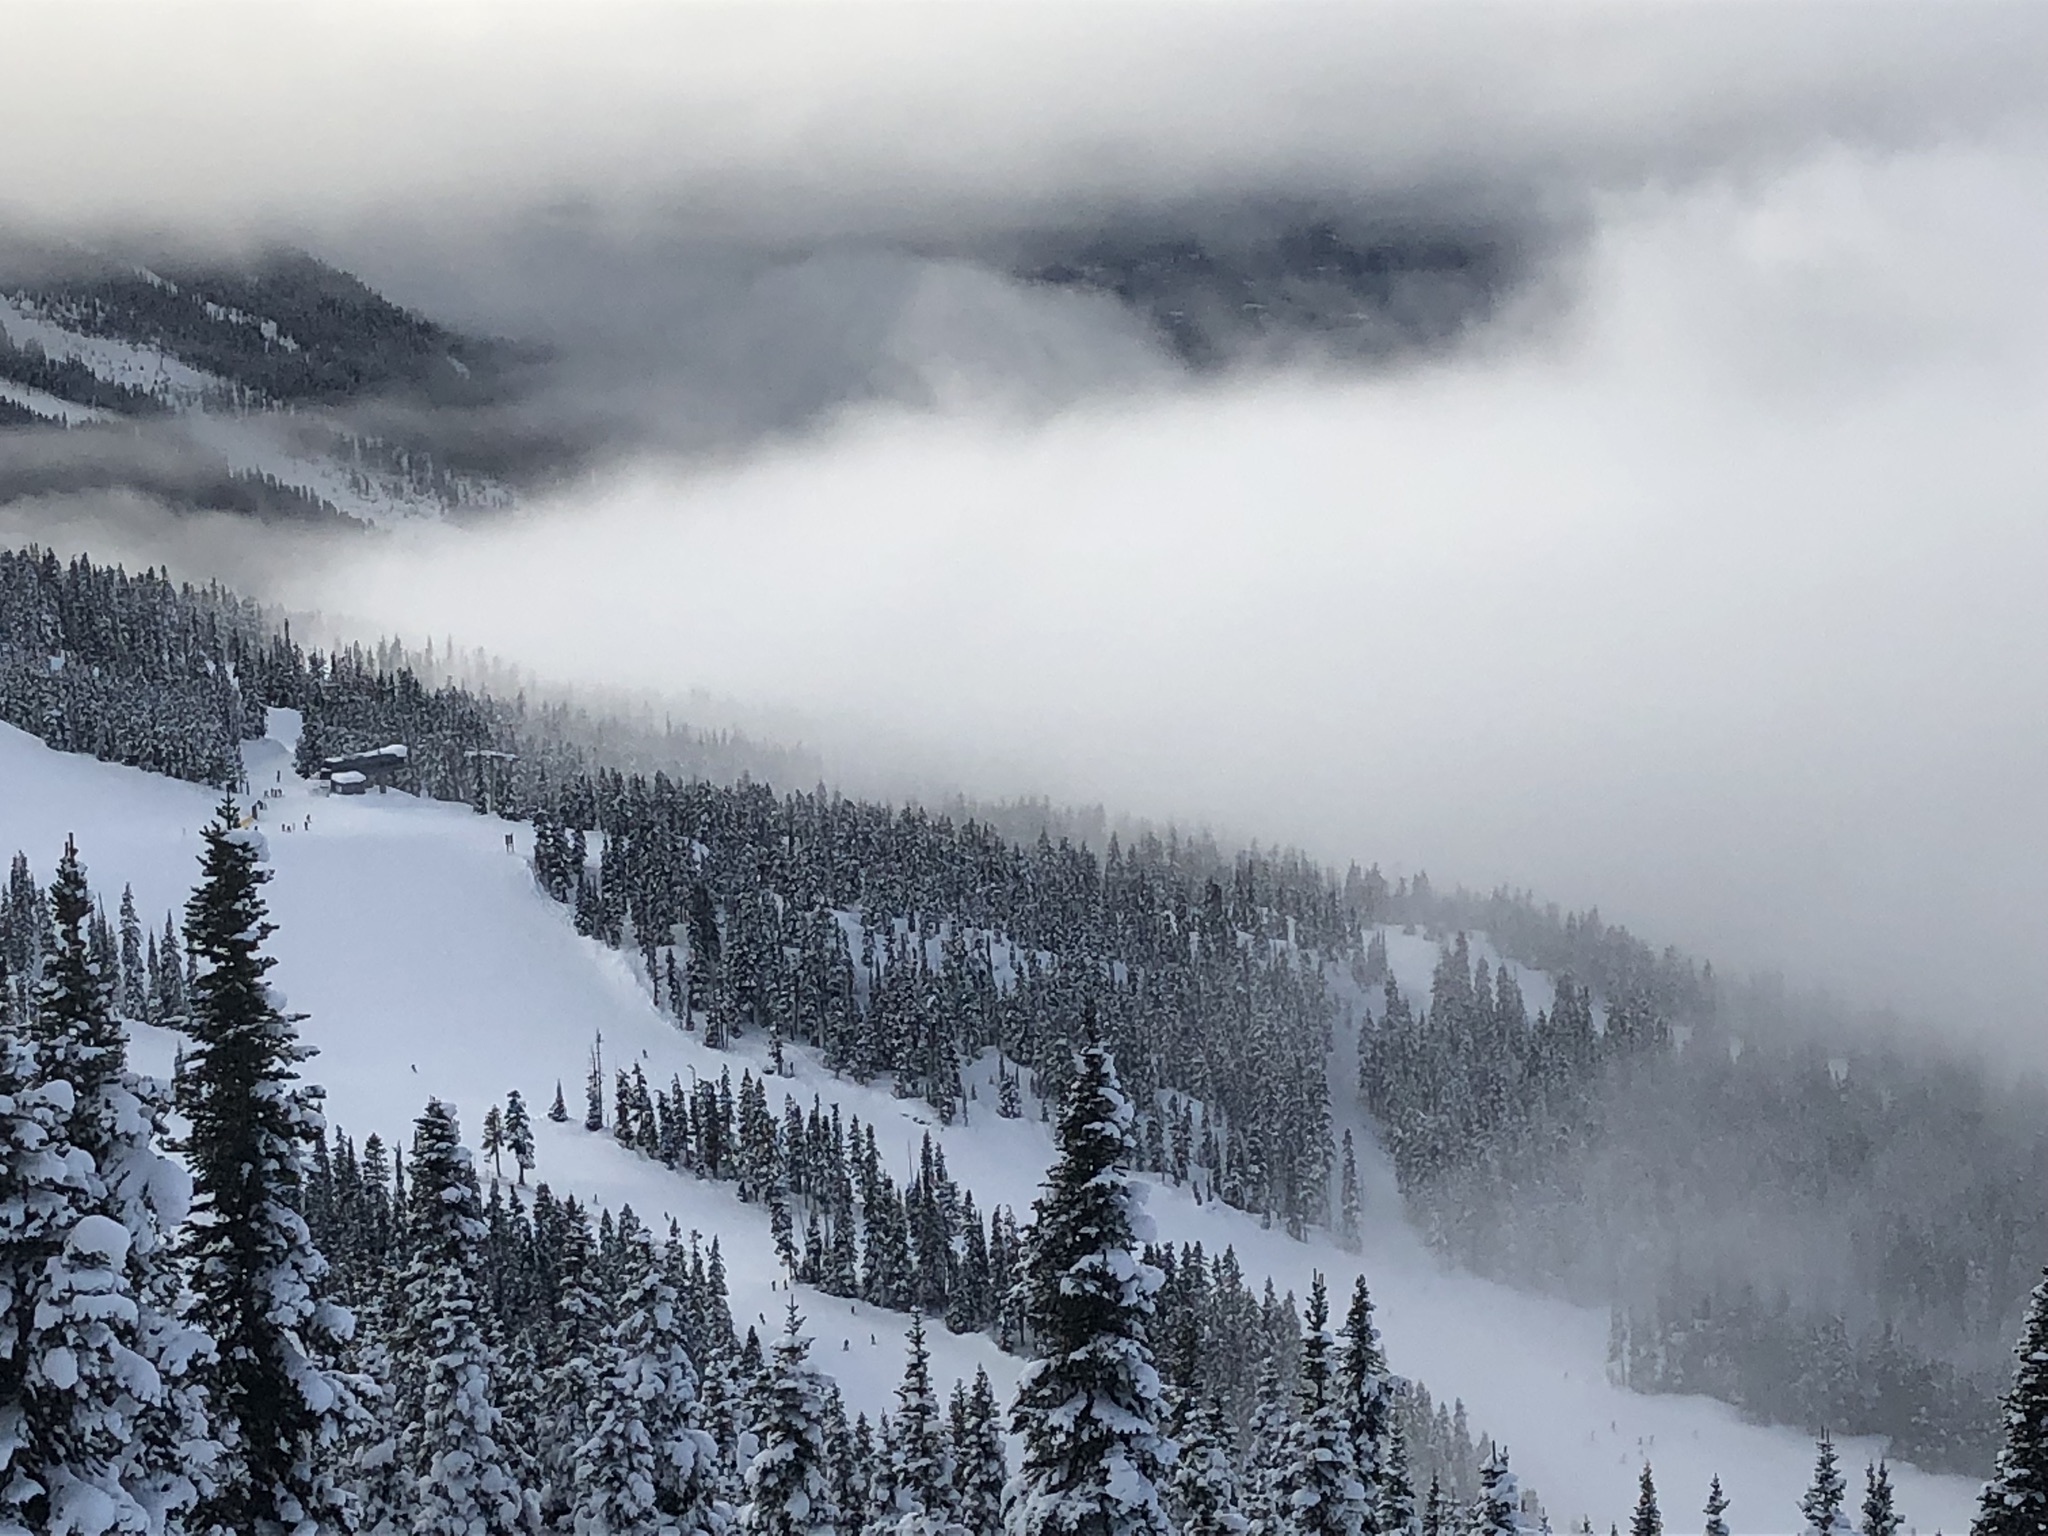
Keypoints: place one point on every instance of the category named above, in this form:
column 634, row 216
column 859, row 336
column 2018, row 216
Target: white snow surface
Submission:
column 252, row 441
column 148, row 369
column 430, row 965
column 47, row 405
column 261, row 442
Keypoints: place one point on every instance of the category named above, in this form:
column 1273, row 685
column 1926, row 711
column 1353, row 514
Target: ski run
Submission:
column 429, row 966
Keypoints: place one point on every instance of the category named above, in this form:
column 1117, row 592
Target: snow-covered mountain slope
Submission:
column 427, row 963
column 151, row 370
column 88, row 360
column 50, row 407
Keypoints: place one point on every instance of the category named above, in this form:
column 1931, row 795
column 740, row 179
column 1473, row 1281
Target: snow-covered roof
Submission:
column 382, row 757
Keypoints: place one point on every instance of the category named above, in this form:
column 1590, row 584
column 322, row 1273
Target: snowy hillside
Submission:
column 131, row 365
column 238, row 389
column 429, row 964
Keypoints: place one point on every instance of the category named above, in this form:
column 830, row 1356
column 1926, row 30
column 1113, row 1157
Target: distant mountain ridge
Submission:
column 278, row 386
column 1286, row 284
column 281, row 386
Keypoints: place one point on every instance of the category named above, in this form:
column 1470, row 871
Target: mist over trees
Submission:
column 1823, row 1229
column 1825, row 1232
column 281, row 326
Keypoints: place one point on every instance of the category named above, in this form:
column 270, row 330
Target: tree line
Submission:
column 1770, row 1223
column 1651, row 1097
column 179, row 1354
column 283, row 326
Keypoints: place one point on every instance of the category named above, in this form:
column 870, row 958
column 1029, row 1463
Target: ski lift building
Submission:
column 356, row 773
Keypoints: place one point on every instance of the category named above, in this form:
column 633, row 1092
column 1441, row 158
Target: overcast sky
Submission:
column 1705, row 583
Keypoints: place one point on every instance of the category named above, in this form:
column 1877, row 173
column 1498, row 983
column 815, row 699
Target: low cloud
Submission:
column 1700, row 581
column 1717, row 605
column 891, row 119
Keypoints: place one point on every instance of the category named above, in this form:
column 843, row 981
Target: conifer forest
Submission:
column 917, row 769
column 224, row 1316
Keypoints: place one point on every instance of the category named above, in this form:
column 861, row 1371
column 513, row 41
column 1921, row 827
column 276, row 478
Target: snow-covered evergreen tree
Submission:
column 519, row 1132
column 1398, row 1514
column 1439, row 1517
column 1350, row 1218
column 1088, row 1410
column 1647, row 1520
column 113, row 1425
column 1880, row 1515
column 40, row 1178
column 134, row 992
column 849, row 1448
column 789, row 1482
column 1203, row 1487
column 1366, row 1401
column 1319, row 1490
column 648, row 1467
column 78, row 1324
column 492, row 1142
column 168, row 999
column 980, row 1463
column 1272, row 1422
column 577, row 1340
column 279, row 1408
column 1716, row 1509
column 920, row 1465
column 2015, row 1501
column 1821, row 1507
column 2016, row 1498
column 453, row 1450
column 78, row 1040
column 1498, row 1509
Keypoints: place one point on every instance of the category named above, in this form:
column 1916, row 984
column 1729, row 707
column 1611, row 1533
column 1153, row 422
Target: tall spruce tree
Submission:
column 78, row 1040
column 648, row 1466
column 1821, row 1507
column 1437, row 1514
column 519, row 1133
column 1398, row 1514
column 41, row 1180
column 1350, row 1220
column 789, row 1481
column 980, row 1463
column 123, row 1408
column 1088, row 1410
column 280, row 1409
column 1716, row 1510
column 454, row 1449
column 1647, row 1520
column 134, row 995
column 1272, row 1420
column 2015, row 1501
column 77, row 1413
column 493, row 1141
column 1498, row 1509
column 1203, row 1487
column 920, row 1467
column 1320, row 1493
column 1880, row 1515
column 1367, row 1395
column 575, row 1358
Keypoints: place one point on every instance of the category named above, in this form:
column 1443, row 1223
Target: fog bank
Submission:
column 1702, row 581
column 1718, row 606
